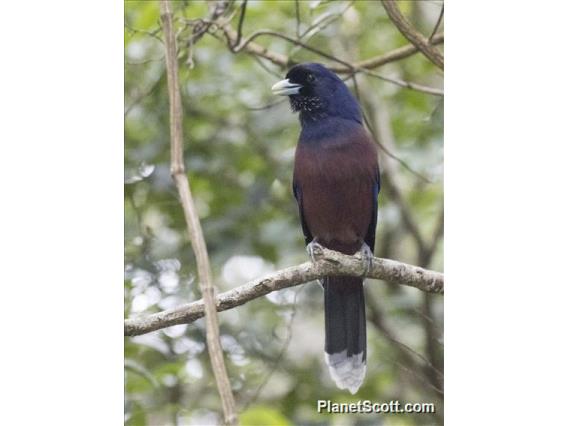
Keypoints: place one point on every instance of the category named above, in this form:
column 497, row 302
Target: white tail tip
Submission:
column 346, row 372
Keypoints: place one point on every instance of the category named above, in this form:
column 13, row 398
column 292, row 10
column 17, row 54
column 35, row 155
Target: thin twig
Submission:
column 324, row 22
column 241, row 22
column 402, row 83
column 192, row 219
column 144, row 94
column 392, row 56
column 412, row 35
column 153, row 34
column 328, row 263
column 436, row 389
column 264, row 67
column 376, row 317
column 438, row 22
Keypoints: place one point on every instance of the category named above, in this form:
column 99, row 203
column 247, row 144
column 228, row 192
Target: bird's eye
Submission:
column 310, row 78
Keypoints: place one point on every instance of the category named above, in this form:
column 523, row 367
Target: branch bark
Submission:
column 192, row 219
column 328, row 263
column 412, row 35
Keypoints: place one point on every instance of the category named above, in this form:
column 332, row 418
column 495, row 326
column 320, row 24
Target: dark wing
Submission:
column 371, row 231
column 298, row 195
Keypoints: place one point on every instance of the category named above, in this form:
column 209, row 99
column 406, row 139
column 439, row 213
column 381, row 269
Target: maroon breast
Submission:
column 336, row 179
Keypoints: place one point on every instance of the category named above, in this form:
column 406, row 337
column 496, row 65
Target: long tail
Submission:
column 345, row 331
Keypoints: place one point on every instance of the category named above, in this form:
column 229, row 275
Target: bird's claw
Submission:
column 314, row 250
column 366, row 258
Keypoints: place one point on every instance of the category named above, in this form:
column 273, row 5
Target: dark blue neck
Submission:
column 326, row 128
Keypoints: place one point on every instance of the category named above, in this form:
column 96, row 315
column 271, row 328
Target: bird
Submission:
column 336, row 184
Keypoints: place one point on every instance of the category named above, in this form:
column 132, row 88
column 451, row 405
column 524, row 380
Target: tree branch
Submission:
column 284, row 61
column 392, row 56
column 412, row 35
column 328, row 263
column 192, row 219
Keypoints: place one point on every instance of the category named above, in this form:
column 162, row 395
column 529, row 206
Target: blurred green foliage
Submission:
column 239, row 149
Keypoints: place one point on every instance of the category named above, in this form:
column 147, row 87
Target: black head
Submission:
column 317, row 93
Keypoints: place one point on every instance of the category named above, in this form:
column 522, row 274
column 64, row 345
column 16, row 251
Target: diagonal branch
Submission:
column 329, row 263
column 392, row 56
column 192, row 219
column 412, row 35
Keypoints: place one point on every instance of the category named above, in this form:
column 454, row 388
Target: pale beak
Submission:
column 285, row 88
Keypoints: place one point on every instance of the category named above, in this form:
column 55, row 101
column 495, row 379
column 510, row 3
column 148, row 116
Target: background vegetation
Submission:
column 240, row 142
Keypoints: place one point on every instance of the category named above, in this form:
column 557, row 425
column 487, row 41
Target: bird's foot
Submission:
column 366, row 256
column 315, row 251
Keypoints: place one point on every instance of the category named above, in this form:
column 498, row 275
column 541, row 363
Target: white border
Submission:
column 61, row 172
